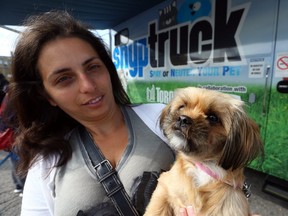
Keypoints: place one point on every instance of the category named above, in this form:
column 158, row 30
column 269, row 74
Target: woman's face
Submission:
column 76, row 79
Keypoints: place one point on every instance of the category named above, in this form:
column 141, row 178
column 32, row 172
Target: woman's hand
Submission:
column 188, row 211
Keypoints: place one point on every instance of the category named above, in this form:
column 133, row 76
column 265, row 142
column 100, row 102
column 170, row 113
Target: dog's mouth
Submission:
column 182, row 124
column 187, row 132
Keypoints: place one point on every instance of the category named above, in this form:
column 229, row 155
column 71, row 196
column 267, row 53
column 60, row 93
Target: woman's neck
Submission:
column 111, row 136
column 103, row 128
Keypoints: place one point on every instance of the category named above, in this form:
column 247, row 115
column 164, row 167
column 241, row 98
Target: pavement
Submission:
column 261, row 203
column 10, row 203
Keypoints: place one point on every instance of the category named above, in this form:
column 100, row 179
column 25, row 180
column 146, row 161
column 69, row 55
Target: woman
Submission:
column 65, row 88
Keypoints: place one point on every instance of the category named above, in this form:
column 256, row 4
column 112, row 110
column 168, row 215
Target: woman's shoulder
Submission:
column 43, row 166
column 154, row 107
column 150, row 113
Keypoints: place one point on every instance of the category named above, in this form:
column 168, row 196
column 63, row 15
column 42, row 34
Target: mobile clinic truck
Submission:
column 235, row 46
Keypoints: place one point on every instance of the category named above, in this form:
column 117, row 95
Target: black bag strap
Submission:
column 108, row 176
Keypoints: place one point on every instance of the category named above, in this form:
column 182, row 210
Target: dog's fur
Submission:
column 211, row 129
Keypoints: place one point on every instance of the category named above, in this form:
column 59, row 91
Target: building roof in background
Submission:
column 100, row 14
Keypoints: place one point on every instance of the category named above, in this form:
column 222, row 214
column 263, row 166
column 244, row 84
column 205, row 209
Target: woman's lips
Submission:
column 94, row 100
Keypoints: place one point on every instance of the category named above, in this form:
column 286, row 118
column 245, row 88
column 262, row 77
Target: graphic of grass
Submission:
column 271, row 119
column 276, row 139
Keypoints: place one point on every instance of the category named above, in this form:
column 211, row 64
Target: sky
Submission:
column 8, row 39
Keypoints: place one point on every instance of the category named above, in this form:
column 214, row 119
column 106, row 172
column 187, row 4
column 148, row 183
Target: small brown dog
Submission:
column 214, row 140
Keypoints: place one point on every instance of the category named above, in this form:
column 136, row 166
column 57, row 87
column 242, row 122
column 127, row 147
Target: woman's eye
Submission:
column 93, row 67
column 63, row 79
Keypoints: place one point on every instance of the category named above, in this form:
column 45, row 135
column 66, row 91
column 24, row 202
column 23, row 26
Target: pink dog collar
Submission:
column 215, row 176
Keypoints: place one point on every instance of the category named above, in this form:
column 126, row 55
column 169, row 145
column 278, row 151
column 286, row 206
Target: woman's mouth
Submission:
column 94, row 100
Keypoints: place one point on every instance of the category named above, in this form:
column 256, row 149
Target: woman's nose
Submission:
column 86, row 83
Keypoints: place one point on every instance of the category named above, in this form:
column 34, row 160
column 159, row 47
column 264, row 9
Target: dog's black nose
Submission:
column 184, row 121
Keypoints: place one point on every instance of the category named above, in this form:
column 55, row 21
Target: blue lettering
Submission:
column 116, row 58
column 155, row 73
column 134, row 56
column 124, row 57
column 235, row 71
column 143, row 55
column 225, row 70
column 231, row 71
column 132, row 49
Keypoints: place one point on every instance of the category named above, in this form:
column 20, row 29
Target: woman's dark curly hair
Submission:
column 42, row 127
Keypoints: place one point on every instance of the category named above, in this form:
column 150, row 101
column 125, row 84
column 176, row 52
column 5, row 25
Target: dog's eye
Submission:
column 181, row 107
column 212, row 118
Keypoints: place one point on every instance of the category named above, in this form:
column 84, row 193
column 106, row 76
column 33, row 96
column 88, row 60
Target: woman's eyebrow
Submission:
column 61, row 70
column 67, row 69
column 89, row 60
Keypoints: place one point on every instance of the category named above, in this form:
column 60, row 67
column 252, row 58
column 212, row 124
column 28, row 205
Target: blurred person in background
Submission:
column 6, row 117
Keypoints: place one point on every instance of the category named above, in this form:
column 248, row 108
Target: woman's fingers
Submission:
column 188, row 211
column 183, row 212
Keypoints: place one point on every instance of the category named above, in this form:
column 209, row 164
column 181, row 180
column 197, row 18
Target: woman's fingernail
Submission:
column 190, row 210
column 182, row 212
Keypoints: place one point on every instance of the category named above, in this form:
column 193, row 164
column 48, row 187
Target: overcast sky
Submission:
column 7, row 41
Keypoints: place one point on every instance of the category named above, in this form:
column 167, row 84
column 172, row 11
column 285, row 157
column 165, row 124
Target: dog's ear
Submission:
column 164, row 114
column 243, row 142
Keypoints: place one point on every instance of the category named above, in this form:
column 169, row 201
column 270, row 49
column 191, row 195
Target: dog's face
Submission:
column 211, row 126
